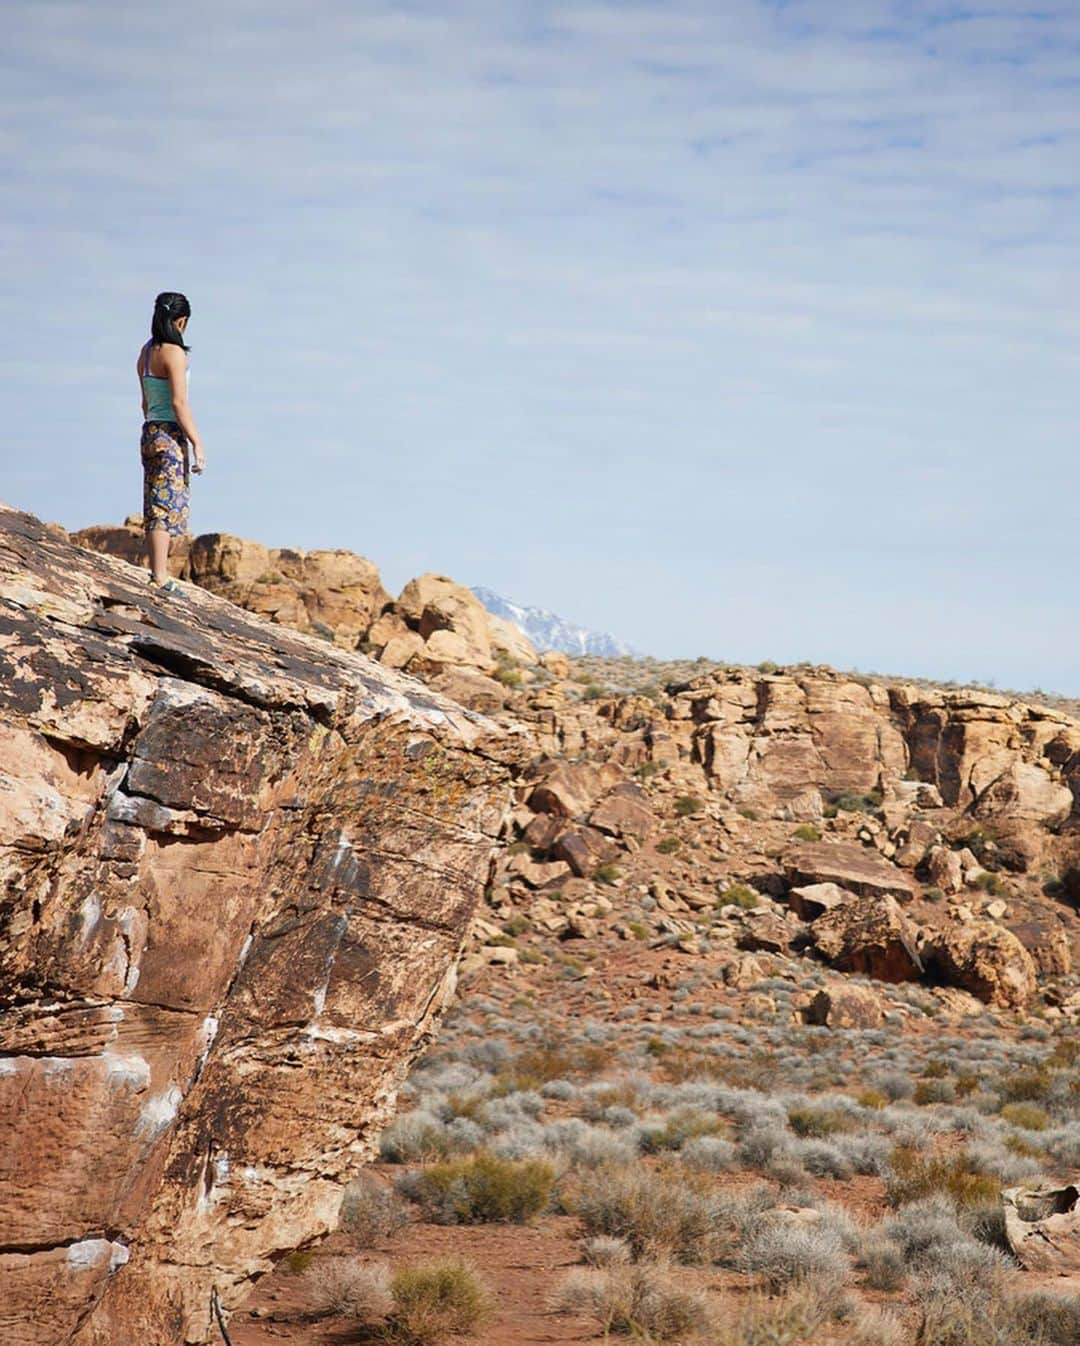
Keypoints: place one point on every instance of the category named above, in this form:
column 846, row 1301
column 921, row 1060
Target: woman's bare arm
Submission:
column 138, row 375
column 176, row 368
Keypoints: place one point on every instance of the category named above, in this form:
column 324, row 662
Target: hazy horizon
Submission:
column 748, row 334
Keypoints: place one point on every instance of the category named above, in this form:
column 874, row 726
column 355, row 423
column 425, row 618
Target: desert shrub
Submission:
column 807, row 832
column 993, row 884
column 823, row 1159
column 371, row 1210
column 818, row 1122
column 764, row 1145
column 435, row 1299
column 672, row 1133
column 484, row 1189
column 741, row 895
column 659, row 1212
column 587, row 1146
column 967, row 1316
column 876, row 1327
column 986, row 1224
column 710, row 1154
column 913, row 1174
column 857, row 801
column 882, row 1264
column 604, row 1251
column 668, row 845
column 923, row 1230
column 553, row 1060
column 1028, row 1116
column 642, row 1301
column 791, row 1321
column 1046, row 1318
column 788, row 1252
column 934, row 1091
column 1025, row 1087
column 866, row 1153
column 687, row 805
column 345, row 1287
column 896, row 1085
column 607, row 873
column 415, row 1136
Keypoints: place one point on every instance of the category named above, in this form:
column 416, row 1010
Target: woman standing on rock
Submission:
column 167, row 434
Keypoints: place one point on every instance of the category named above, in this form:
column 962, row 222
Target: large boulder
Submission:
column 871, row 937
column 570, row 789
column 236, row 868
column 510, row 641
column 450, row 619
column 844, row 1005
column 984, row 958
column 853, row 868
column 1042, row 1225
column 1027, row 793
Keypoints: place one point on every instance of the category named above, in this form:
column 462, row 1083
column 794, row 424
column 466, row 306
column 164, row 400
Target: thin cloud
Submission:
column 741, row 282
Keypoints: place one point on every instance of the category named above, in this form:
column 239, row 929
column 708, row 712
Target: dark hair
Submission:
column 167, row 308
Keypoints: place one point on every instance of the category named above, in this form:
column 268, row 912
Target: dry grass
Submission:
column 659, row 1212
column 348, row 1288
column 371, row 1211
column 643, row 1301
column 484, row 1189
column 434, row 1300
column 914, row 1175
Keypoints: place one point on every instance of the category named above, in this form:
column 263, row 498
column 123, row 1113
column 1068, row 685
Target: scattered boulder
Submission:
column 556, row 663
column 849, row 866
column 1042, row 1225
column 537, row 873
column 841, row 1006
column 1026, row 792
column 510, row 641
column 570, row 789
column 625, row 812
column 765, row 932
column 451, row 621
column 984, row 958
column 469, row 687
column 814, row 899
column 583, row 848
column 946, row 869
column 876, row 939
column 1048, row 943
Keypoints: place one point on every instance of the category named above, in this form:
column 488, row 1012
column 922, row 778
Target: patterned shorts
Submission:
column 165, row 477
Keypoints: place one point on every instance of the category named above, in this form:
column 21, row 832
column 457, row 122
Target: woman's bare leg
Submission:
column 158, row 542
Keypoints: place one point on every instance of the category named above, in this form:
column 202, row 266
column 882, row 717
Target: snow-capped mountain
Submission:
column 548, row 631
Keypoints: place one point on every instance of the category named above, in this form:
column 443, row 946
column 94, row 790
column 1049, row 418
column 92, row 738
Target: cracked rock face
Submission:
column 237, row 868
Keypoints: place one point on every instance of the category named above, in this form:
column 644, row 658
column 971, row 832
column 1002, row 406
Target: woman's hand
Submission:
column 198, row 457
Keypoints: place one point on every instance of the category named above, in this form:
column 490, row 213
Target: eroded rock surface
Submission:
column 1042, row 1225
column 237, row 867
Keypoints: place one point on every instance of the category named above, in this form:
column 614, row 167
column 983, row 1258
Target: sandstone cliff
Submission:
column 237, row 865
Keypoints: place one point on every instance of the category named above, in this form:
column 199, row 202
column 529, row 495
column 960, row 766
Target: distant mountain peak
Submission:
column 548, row 631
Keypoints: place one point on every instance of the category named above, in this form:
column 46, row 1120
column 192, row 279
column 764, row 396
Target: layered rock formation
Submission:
column 237, row 867
column 334, row 594
column 436, row 629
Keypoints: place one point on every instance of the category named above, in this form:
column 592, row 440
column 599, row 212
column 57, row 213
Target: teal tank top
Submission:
column 159, row 403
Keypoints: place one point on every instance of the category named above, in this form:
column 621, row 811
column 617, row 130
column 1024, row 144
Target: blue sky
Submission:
column 743, row 329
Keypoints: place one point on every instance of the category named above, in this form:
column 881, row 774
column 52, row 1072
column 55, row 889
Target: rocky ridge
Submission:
column 899, row 831
column 238, row 866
